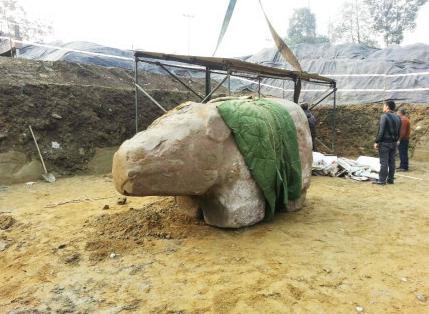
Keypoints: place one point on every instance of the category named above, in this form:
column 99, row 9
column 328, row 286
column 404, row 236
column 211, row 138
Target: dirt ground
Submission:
column 353, row 247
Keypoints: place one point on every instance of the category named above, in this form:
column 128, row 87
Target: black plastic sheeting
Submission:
column 325, row 59
column 329, row 60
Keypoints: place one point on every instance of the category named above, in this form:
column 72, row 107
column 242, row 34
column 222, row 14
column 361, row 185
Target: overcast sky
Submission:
column 160, row 25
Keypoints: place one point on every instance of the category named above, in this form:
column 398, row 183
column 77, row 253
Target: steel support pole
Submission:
column 229, row 84
column 296, row 89
column 136, row 97
column 334, row 122
column 322, row 99
column 11, row 47
column 180, row 81
column 215, row 89
column 259, row 86
column 150, row 97
column 208, row 84
column 323, row 144
column 283, row 91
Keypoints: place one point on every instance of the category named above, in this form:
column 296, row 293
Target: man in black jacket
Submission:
column 387, row 137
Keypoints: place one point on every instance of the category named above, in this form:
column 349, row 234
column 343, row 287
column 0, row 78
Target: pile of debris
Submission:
column 363, row 169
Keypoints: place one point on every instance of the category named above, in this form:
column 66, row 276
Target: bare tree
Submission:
column 15, row 23
column 392, row 17
column 302, row 28
column 353, row 24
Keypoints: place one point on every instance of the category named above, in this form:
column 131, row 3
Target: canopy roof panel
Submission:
column 235, row 66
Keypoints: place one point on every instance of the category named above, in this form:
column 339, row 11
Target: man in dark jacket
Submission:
column 388, row 135
column 311, row 122
column 404, row 137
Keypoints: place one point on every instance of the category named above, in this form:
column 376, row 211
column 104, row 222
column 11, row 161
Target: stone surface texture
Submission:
column 190, row 151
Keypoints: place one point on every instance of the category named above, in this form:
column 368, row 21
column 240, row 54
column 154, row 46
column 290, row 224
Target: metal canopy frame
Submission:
column 229, row 68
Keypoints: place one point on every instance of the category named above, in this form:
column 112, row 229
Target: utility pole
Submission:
column 189, row 17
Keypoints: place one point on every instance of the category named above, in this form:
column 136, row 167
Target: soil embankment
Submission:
column 74, row 110
column 81, row 113
column 71, row 247
column 357, row 127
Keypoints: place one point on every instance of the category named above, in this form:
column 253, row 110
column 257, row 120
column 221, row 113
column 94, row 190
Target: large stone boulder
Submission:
column 191, row 151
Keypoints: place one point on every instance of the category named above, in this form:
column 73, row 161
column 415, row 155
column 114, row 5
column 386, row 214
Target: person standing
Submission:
column 311, row 122
column 404, row 138
column 385, row 142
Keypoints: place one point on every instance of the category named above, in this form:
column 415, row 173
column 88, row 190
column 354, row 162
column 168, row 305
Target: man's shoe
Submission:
column 390, row 182
column 378, row 182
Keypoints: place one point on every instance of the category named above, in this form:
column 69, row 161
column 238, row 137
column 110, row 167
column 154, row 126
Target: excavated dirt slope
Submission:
column 357, row 127
column 69, row 247
column 77, row 109
column 80, row 107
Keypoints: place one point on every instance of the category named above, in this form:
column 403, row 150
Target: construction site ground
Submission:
column 68, row 247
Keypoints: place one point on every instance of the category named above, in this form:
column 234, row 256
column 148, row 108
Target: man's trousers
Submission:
column 387, row 152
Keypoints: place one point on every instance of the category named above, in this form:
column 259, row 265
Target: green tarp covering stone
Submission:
column 266, row 136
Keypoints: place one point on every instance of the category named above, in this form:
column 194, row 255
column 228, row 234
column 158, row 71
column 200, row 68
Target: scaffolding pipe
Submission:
column 320, row 142
column 180, row 81
column 323, row 98
column 215, row 89
column 136, row 92
column 233, row 72
column 11, row 47
column 229, row 84
column 230, row 72
column 296, row 89
column 283, row 89
column 208, row 84
column 334, row 124
column 150, row 97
